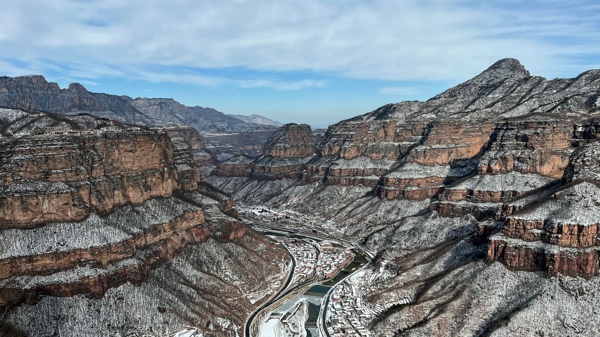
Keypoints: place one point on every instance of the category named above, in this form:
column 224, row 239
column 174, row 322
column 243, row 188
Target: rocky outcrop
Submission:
column 88, row 206
column 189, row 134
column 584, row 164
column 238, row 166
column 72, row 174
column 195, row 140
column 285, row 153
column 64, row 173
column 555, row 232
column 539, row 145
column 375, row 139
column 290, row 141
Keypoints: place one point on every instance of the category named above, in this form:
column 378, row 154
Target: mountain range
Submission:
column 480, row 206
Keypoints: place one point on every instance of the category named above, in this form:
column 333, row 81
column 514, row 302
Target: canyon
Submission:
column 110, row 229
column 481, row 207
column 481, row 203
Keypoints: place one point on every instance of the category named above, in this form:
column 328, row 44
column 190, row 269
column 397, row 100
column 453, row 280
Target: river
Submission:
column 314, row 296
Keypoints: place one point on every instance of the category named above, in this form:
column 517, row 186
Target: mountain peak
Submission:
column 507, row 67
column 77, row 88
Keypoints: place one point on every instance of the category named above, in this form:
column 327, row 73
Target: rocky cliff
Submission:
column 469, row 200
column 110, row 229
column 557, row 233
column 284, row 155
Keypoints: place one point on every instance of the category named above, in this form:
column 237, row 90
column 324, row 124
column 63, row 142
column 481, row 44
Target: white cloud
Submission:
column 281, row 85
column 384, row 39
column 214, row 81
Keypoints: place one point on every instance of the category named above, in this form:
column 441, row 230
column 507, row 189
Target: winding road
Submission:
column 285, row 291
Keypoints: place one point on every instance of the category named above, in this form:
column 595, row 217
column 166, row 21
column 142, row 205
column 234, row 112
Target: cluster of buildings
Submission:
column 332, row 260
column 273, row 216
column 53, row 131
column 345, row 314
column 283, row 218
column 316, row 261
column 306, row 255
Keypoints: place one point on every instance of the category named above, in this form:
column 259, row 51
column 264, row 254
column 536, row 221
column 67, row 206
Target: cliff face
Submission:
column 285, row 155
column 88, row 206
column 461, row 197
column 291, row 141
column 559, row 233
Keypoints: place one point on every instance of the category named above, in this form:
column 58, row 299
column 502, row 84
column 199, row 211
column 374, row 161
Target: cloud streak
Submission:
column 430, row 40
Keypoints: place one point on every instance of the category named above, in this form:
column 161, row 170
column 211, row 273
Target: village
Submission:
column 315, row 261
column 345, row 313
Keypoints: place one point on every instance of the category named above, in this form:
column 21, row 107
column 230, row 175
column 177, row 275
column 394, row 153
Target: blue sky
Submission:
column 306, row 61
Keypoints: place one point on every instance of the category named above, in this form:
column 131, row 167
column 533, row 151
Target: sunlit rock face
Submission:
column 481, row 205
column 557, row 233
column 291, row 141
column 90, row 208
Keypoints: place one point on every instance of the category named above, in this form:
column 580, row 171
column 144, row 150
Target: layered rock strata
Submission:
column 446, row 217
column 285, row 155
column 224, row 135
column 477, row 149
column 557, row 232
column 88, row 206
